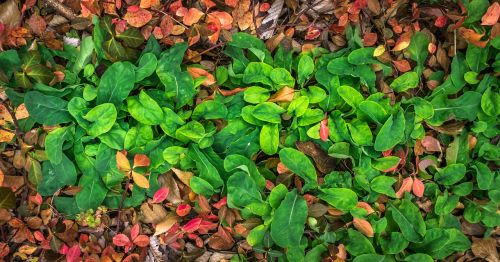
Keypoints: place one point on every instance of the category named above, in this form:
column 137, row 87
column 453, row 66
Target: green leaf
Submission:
column 298, row 163
column 409, row 220
column 54, row 144
column 268, row 112
column 85, row 54
column 362, row 56
column 92, row 192
column 210, row 109
column 350, row 95
column 7, row 198
column 201, row 186
column 298, row 106
column 174, row 154
column 178, row 85
column 484, row 176
column 440, row 243
column 466, row 107
column 234, row 161
column 418, row 50
column 144, row 109
column 287, row 226
column 360, row 133
column 256, row 94
column 476, row 10
column 131, row 37
column 242, row 190
column 305, row 69
column 385, row 163
column 56, row 176
column 269, row 138
column 277, row 194
column 374, row 110
column 391, row 133
column 40, row 73
column 383, row 185
column 358, row 244
column 393, row 243
column 450, row 175
column 405, row 81
column 101, row 118
column 116, row 83
column 258, row 72
column 207, row 171
column 419, row 258
column 281, row 77
column 193, row 131
column 147, row 66
column 373, row 258
column 490, row 102
column 445, row 204
column 341, row 198
column 47, row 110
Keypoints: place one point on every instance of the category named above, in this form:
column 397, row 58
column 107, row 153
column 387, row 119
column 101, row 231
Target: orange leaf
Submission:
column 363, row 226
column 491, row 15
column 140, row 180
column 122, row 162
column 183, row 210
column 121, row 240
column 142, row 241
column 231, row 3
column 369, row 39
column 402, row 65
column 366, row 207
column 285, row 94
column 196, row 72
column 418, row 187
column 6, row 136
column 472, row 37
column 403, row 42
column 149, row 3
column 406, row 186
column 141, row 160
column 323, row 129
column 192, row 16
column 225, row 19
column 136, row 16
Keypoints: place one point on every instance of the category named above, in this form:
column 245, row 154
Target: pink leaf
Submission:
column 431, row 144
column 192, row 225
column 134, row 232
column 221, row 203
column 406, row 186
column 121, row 240
column 73, row 254
column 183, row 210
column 160, row 195
column 323, row 129
column 418, row 187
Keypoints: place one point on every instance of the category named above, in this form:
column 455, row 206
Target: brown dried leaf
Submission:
column 153, row 213
column 324, row 163
column 485, row 248
column 166, row 224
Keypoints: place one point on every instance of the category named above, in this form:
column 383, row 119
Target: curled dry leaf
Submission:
column 152, row 213
column 485, row 248
column 285, row 94
column 363, row 226
column 406, row 186
column 418, row 187
column 431, row 144
column 366, row 207
column 403, row 42
column 166, row 224
column 197, row 72
column 472, row 37
column 492, row 14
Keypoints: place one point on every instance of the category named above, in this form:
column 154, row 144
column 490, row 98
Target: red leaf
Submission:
column 431, row 144
column 221, row 203
column 73, row 254
column 491, row 15
column 142, row 241
column 403, row 42
column 121, row 240
column 183, row 210
column 206, row 226
column 192, row 16
column 406, row 186
column 369, row 39
column 418, row 187
column 402, row 65
column 134, row 232
column 39, row 236
column 441, row 21
column 264, row 7
column 136, row 16
column 312, row 33
column 160, row 195
column 141, row 160
column 323, row 129
column 192, row 225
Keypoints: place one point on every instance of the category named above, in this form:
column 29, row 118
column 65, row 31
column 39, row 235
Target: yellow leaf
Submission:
column 285, row 94
column 140, row 180
column 379, row 51
column 122, row 162
column 184, row 176
column 6, row 136
column 166, row 224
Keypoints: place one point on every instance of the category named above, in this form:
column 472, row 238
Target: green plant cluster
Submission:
column 231, row 142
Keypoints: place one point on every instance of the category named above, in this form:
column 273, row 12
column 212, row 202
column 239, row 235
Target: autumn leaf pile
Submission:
column 285, row 130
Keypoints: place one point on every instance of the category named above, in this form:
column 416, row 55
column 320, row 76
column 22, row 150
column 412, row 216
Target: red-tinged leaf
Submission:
column 281, row 168
column 231, row 3
column 160, row 195
column 360, row 4
column 149, row 3
column 366, row 207
column 264, row 7
column 403, row 42
column 221, row 203
column 122, row 162
column 183, row 210
column 39, row 236
column 175, row 6
column 418, row 187
column 208, row 3
column 121, row 240
column 203, row 204
column 492, row 14
column 140, row 180
column 441, row 21
column 387, row 153
column 142, row 241
column 192, row 225
column 402, row 65
column 73, row 254
column 225, row 19
column 363, row 226
column 136, row 16
column 141, row 160
column 431, row 144
column 324, row 131
column 37, row 199
column 312, row 33
column 37, row 24
column 432, row 48
column 181, row 12
column 406, row 186
column 206, row 226
column 134, row 232
column 196, row 72
column 192, row 16
column 369, row 39
column 472, row 37
column 63, row 249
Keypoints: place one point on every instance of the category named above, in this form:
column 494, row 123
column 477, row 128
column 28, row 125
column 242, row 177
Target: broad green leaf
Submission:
column 350, row 95
column 374, row 110
column 258, row 72
column 360, row 133
column 298, row 163
column 193, row 131
column 268, row 112
column 147, row 66
column 210, row 109
column 383, row 185
column 419, row 258
column 287, row 226
column 311, row 116
column 362, row 56
column 256, row 94
column 174, row 154
column 269, row 138
column 409, row 220
column 92, row 193
column 116, row 83
column 207, row 171
column 298, row 106
column 54, row 144
column 201, row 186
column 39, row 73
column 277, row 194
column 393, row 243
column 418, row 50
column 484, row 176
column 465, row 107
column 242, row 190
column 391, row 133
column 358, row 244
column 445, row 203
column 373, row 258
column 47, row 110
column 234, row 161
column 131, row 37
column 144, row 109
column 178, row 85
column 440, row 243
column 305, row 69
column 490, row 102
column 385, row 163
column 405, row 81
column 281, row 77
column 56, row 176
column 101, row 118
column 85, row 54
column 341, row 198
column 475, row 10
column 450, row 175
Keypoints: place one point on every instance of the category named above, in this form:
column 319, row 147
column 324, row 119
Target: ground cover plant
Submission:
column 129, row 147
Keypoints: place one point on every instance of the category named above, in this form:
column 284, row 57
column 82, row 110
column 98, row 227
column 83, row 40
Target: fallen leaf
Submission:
column 136, row 16
column 418, row 187
column 192, row 225
column 37, row 24
column 192, row 16
column 402, row 65
column 140, row 180
column 441, row 21
column 431, row 144
column 197, row 72
column 363, row 226
column 323, row 161
column 184, row 176
column 160, row 195
column 324, row 132
column 152, row 213
column 485, row 248
column 149, row 3
column 380, row 50
column 141, row 160
column 472, row 37
column 406, row 186
column 166, row 224
column 183, row 210
column 6, row 136
column 403, row 42
column 369, row 39
column 285, row 94
column 492, row 14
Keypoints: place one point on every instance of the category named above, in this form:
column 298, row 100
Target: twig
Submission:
column 208, row 50
column 62, row 9
column 177, row 21
column 118, row 223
